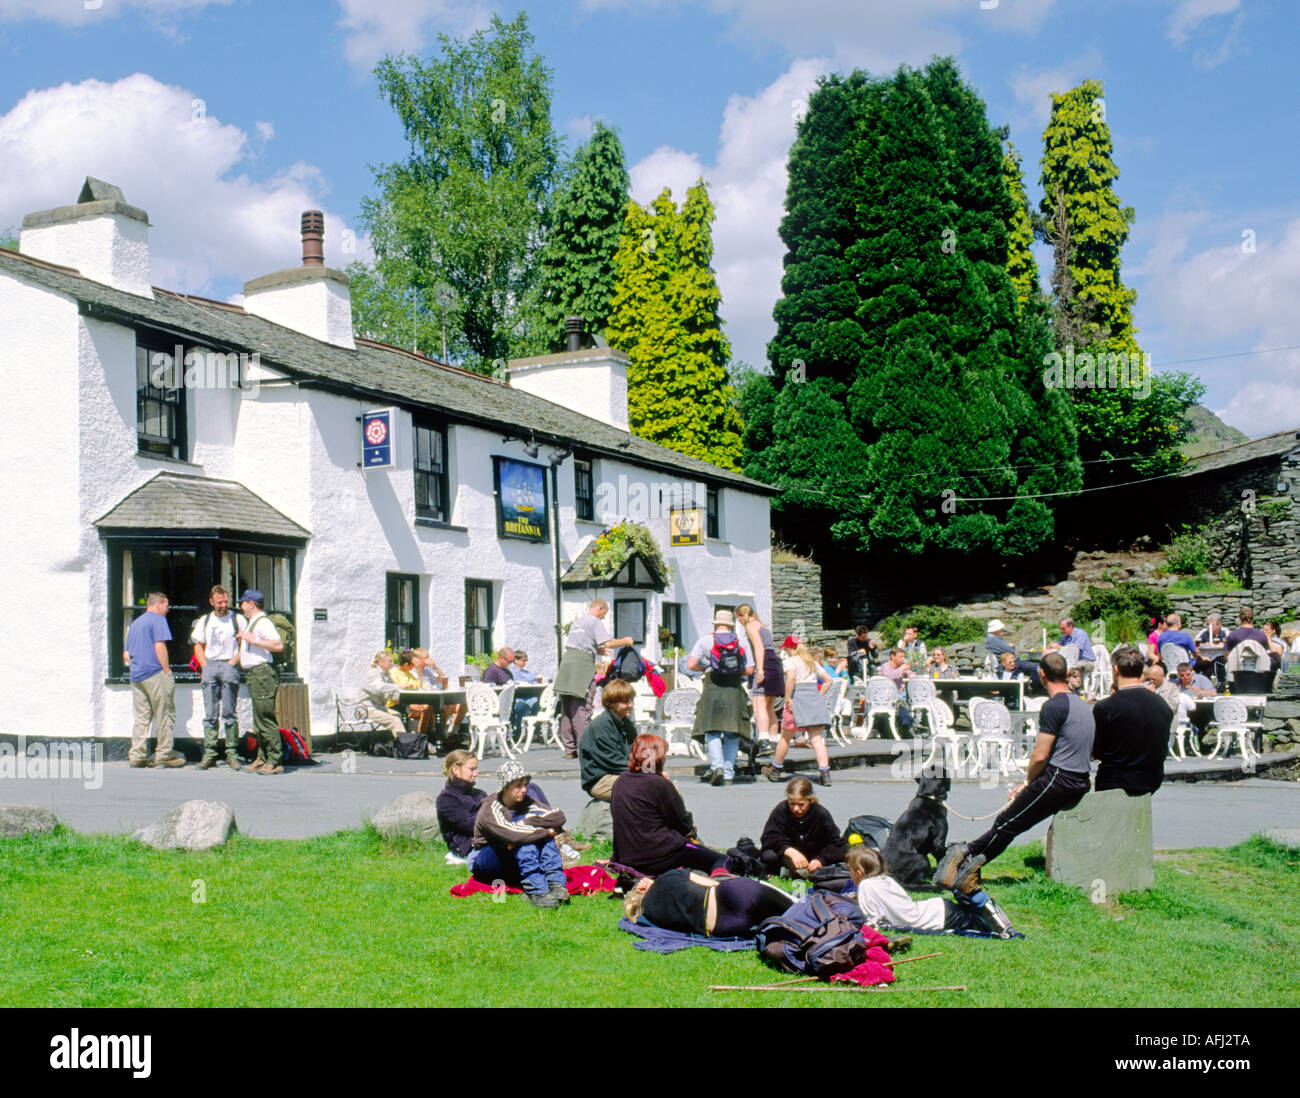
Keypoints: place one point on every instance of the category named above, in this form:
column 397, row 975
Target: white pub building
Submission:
column 160, row 441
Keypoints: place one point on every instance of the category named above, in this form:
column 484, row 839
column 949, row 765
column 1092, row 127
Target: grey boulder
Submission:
column 26, row 819
column 194, row 825
column 410, row 816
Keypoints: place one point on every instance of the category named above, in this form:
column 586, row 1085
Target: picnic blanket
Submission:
column 580, row 880
column 658, row 940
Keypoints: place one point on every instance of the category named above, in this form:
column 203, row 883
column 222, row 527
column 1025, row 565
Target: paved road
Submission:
column 304, row 802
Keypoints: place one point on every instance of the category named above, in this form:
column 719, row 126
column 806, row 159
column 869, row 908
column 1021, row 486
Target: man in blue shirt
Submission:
column 524, row 707
column 1175, row 635
column 153, row 689
column 1072, row 634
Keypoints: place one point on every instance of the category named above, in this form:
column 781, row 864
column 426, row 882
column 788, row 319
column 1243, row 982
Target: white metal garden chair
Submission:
column 678, row 726
column 1100, row 681
column 1071, row 654
column 1028, row 731
column 991, row 724
column 1171, row 655
column 645, row 709
column 882, row 697
column 920, row 694
column 1182, row 734
column 546, row 717
column 487, row 724
column 954, row 745
column 840, row 710
column 1230, row 719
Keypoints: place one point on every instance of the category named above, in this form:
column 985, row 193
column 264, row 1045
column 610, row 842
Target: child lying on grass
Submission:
column 882, row 900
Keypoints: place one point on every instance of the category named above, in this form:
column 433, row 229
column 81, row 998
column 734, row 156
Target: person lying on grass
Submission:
column 458, row 805
column 800, row 836
column 882, row 900
column 691, row 902
column 514, row 840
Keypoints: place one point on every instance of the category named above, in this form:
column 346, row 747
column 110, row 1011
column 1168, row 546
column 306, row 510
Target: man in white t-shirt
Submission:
column 257, row 641
column 216, row 651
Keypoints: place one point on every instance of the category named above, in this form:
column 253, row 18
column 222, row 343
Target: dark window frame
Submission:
column 402, row 632
column 432, row 479
column 473, row 647
column 670, row 618
column 712, row 513
column 207, row 548
column 175, row 444
column 643, row 603
column 584, row 488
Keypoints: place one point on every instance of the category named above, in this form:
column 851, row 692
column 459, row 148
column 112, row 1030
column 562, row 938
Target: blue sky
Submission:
column 1201, row 96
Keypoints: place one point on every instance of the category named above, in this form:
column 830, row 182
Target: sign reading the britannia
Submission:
column 521, row 500
column 686, row 526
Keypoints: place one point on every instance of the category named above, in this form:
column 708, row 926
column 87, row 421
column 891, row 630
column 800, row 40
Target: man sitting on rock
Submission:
column 1132, row 730
column 1057, row 779
column 602, row 754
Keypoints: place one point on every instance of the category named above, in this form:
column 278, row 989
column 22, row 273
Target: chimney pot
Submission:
column 313, row 238
column 573, row 333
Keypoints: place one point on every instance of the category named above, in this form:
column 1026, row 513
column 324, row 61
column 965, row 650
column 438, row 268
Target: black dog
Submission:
column 921, row 830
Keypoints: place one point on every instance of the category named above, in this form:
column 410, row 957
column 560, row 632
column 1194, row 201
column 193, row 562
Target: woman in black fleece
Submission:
column 800, row 834
column 458, row 805
column 652, row 828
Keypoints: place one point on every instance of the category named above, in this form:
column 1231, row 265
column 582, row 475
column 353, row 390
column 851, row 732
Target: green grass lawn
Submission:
column 349, row 920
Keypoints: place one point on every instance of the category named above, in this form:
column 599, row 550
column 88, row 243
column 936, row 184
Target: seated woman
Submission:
column 692, row 903
column 433, row 678
column 379, row 694
column 603, row 749
column 407, row 677
column 652, row 829
column 940, row 668
column 458, row 805
column 799, row 834
column 514, row 840
column 882, row 900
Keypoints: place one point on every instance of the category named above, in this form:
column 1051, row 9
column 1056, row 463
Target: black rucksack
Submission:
column 726, row 659
column 627, row 665
column 819, row 936
column 872, row 830
column 410, row 745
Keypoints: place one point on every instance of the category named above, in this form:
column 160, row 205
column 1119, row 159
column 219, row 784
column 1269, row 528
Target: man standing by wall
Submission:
column 217, row 651
column 153, row 689
column 257, row 641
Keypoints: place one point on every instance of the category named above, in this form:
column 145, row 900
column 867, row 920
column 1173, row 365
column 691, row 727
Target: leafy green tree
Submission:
column 665, row 316
column 459, row 223
column 1021, row 265
column 576, row 267
column 897, row 199
column 1080, row 215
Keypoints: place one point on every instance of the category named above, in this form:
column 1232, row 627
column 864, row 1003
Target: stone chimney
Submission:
column 591, row 382
column 101, row 236
column 313, row 299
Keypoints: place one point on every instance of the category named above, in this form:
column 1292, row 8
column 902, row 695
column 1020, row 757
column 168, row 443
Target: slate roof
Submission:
column 178, row 501
column 1266, row 446
column 371, row 371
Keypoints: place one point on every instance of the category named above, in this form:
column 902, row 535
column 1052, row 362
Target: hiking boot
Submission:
column 967, row 881
column 172, row 762
column 232, row 761
column 257, row 767
column 945, row 873
column 207, row 762
column 542, row 899
column 774, row 774
column 715, row 778
column 728, row 781
column 824, row 778
column 142, row 763
column 271, row 770
column 560, row 891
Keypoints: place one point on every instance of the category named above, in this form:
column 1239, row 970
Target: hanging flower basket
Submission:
column 618, row 542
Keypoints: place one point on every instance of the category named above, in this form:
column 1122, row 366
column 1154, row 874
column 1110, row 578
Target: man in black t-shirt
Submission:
column 1057, row 779
column 1132, row 734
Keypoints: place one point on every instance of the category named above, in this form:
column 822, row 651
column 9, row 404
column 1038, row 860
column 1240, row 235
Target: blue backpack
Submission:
column 726, row 659
column 819, row 936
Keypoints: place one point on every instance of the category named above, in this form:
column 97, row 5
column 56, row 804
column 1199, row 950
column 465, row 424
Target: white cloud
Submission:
column 375, row 29
column 1188, row 15
column 1032, row 88
column 210, row 221
column 72, row 12
column 1230, row 298
column 747, row 184
column 875, row 34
